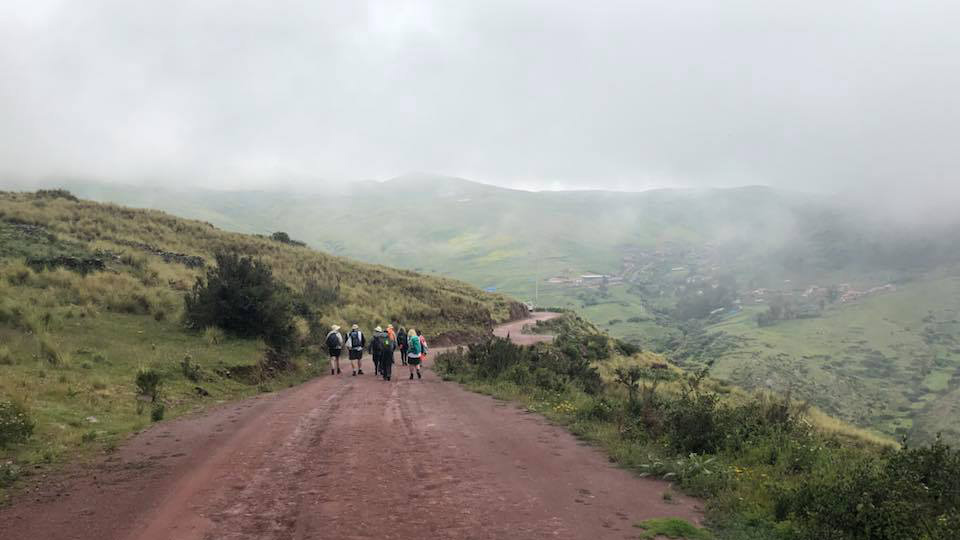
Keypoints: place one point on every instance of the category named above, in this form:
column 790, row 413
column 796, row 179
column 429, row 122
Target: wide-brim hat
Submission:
column 355, row 327
column 389, row 326
column 378, row 329
column 334, row 328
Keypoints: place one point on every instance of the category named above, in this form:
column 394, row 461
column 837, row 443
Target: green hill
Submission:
column 90, row 294
column 661, row 261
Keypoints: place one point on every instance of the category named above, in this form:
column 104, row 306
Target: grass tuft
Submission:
column 672, row 528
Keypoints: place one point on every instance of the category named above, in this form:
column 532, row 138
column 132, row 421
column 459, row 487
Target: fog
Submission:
column 856, row 97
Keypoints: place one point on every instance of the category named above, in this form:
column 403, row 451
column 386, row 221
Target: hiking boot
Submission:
column 354, row 373
column 411, row 376
column 331, row 372
column 418, row 374
column 360, row 372
column 338, row 371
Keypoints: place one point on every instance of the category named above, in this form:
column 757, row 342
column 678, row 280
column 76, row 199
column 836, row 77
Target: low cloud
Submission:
column 857, row 97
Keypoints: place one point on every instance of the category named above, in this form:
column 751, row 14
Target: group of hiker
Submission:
column 382, row 346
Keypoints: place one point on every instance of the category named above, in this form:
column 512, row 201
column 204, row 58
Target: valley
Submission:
column 764, row 270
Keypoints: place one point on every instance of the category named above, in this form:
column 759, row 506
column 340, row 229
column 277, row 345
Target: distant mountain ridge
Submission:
column 499, row 237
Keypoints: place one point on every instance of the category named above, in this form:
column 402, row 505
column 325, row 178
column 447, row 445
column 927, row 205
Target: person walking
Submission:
column 402, row 344
column 423, row 347
column 355, row 343
column 392, row 334
column 414, row 352
column 382, row 350
column 373, row 349
column 334, row 343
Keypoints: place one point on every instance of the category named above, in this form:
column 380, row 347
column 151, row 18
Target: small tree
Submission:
column 241, row 296
column 630, row 378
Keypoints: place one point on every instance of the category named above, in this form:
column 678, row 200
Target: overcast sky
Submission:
column 810, row 95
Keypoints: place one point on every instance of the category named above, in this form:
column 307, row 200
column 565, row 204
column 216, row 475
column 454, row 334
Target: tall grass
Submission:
column 354, row 292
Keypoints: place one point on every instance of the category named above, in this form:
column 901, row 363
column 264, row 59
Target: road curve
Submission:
column 347, row 457
column 514, row 330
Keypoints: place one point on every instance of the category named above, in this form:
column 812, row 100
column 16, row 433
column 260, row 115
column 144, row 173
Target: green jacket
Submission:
column 413, row 346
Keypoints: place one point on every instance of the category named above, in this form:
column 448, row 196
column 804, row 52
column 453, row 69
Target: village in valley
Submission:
column 669, row 273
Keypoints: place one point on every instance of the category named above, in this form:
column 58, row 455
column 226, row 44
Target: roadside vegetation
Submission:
column 113, row 318
column 776, row 289
column 768, row 466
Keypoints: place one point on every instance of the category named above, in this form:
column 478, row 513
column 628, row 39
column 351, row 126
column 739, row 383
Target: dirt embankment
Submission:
column 347, row 457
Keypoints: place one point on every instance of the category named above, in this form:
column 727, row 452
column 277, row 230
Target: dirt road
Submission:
column 514, row 330
column 347, row 457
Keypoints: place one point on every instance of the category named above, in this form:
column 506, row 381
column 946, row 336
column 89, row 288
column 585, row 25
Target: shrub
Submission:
column 912, row 490
column 148, row 383
column 213, row 335
column 49, row 351
column 15, row 423
column 190, row 370
column 626, row 348
column 9, row 473
column 241, row 296
column 571, row 364
column 493, row 356
column 284, row 238
column 157, row 411
column 518, row 374
column 18, row 274
column 548, row 380
column 601, row 409
column 58, row 193
column 451, row 362
column 694, row 423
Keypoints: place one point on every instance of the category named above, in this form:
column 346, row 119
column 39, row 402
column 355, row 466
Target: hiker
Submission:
column 402, row 344
column 382, row 350
column 335, row 348
column 423, row 347
column 355, row 342
column 392, row 334
column 372, row 348
column 414, row 352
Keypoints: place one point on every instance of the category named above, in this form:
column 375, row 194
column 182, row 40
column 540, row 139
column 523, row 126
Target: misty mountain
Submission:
column 505, row 238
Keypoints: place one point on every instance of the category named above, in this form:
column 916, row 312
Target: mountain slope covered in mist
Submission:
column 670, row 270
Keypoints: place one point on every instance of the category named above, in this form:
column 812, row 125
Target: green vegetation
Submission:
column 100, row 339
column 891, row 361
column 672, row 528
column 15, row 425
column 241, row 296
column 765, row 465
column 672, row 261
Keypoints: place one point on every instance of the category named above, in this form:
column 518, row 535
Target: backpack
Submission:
column 355, row 339
column 333, row 341
column 402, row 340
column 380, row 343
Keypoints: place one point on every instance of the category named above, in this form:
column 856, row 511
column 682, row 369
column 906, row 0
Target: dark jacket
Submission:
column 380, row 344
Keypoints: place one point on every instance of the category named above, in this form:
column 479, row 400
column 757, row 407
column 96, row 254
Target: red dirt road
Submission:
column 515, row 329
column 347, row 457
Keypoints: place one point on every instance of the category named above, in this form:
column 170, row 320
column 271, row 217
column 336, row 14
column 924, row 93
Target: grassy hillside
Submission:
column 90, row 294
column 891, row 361
column 659, row 250
column 767, row 466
